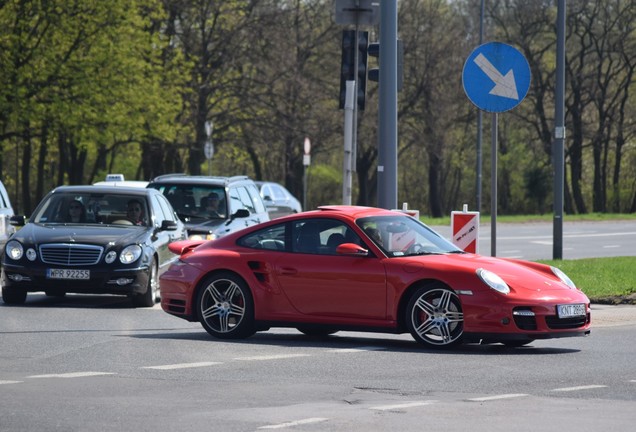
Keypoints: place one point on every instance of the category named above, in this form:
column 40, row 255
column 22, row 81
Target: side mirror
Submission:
column 168, row 225
column 351, row 249
column 17, row 221
column 241, row 213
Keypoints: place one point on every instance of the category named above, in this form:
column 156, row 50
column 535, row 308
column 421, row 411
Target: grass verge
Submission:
column 604, row 280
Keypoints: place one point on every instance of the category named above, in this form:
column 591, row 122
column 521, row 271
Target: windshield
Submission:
column 192, row 202
column 92, row 208
column 402, row 235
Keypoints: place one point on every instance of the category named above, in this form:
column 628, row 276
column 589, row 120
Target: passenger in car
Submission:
column 135, row 212
column 212, row 207
column 76, row 212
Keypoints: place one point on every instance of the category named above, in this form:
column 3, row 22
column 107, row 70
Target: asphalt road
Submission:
column 533, row 241
column 91, row 363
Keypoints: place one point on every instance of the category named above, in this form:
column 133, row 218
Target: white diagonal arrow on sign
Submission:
column 504, row 84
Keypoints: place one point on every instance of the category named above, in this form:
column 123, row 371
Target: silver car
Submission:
column 279, row 201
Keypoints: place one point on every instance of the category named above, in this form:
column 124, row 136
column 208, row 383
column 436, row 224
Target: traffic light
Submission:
column 374, row 51
column 348, row 69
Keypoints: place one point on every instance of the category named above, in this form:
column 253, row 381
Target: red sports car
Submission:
column 367, row 269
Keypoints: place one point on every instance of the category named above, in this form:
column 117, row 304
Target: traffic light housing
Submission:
column 348, row 65
column 373, row 50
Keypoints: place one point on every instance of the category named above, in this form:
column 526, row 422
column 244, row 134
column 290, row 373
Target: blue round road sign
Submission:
column 496, row 77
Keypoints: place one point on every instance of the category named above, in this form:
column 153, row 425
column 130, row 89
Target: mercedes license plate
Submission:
column 68, row 274
column 570, row 310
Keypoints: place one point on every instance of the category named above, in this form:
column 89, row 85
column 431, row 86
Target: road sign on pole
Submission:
column 496, row 77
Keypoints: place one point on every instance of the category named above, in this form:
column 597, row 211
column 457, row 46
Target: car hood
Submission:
column 523, row 277
column 205, row 226
column 33, row 233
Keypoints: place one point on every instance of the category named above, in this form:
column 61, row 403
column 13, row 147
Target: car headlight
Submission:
column 493, row 281
column 130, row 254
column 31, row 254
column 14, row 250
column 564, row 278
column 110, row 257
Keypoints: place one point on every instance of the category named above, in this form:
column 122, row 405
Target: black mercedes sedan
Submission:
column 93, row 240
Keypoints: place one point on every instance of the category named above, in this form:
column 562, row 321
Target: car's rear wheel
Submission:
column 149, row 298
column 13, row 296
column 225, row 306
column 434, row 317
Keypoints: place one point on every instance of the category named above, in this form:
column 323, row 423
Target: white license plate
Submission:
column 570, row 310
column 68, row 274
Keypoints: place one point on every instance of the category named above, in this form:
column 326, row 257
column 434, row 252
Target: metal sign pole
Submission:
column 493, row 186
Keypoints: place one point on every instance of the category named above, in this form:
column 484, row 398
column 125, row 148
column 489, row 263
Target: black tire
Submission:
column 13, row 296
column 316, row 332
column 149, row 298
column 434, row 317
column 225, row 306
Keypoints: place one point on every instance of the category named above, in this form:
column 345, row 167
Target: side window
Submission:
column 157, row 211
column 278, row 193
column 235, row 200
column 272, row 238
column 166, row 209
column 256, row 199
column 245, row 198
column 321, row 236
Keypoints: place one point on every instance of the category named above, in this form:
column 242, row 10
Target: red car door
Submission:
column 334, row 285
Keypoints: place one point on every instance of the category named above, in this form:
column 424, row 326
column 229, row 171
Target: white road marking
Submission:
column 587, row 387
column 570, row 235
column 272, row 357
column 611, row 246
column 182, row 365
column 403, row 405
column 503, row 396
column 73, row 375
column 295, row 423
column 10, row 382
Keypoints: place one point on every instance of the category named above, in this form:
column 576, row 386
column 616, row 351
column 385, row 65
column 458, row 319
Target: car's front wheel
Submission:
column 13, row 296
column 225, row 306
column 149, row 298
column 434, row 317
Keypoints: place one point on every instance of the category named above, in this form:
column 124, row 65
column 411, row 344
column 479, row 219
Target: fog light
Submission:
column 121, row 281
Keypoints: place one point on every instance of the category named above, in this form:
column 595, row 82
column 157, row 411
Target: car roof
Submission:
column 129, row 183
column 199, row 179
column 129, row 190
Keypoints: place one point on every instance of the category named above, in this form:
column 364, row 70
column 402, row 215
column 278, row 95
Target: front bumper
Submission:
column 120, row 281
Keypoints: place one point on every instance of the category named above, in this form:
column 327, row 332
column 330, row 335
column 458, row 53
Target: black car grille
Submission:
column 554, row 322
column 70, row 254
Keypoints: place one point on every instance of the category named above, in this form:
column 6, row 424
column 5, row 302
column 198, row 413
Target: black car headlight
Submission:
column 14, row 250
column 493, row 280
column 130, row 254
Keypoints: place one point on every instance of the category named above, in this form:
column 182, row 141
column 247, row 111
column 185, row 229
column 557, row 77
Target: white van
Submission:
column 6, row 211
